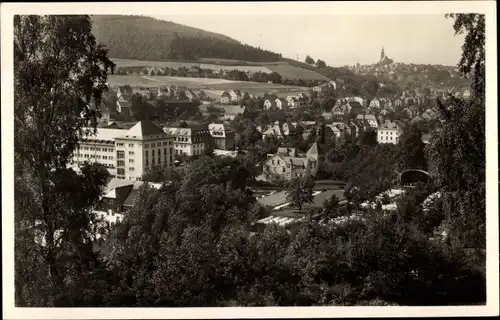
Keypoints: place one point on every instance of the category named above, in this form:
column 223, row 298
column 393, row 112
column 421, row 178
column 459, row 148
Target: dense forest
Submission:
column 145, row 38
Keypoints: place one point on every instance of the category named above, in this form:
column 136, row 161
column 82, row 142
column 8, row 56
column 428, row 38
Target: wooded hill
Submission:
column 146, row 38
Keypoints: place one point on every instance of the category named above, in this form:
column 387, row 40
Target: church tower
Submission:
column 382, row 54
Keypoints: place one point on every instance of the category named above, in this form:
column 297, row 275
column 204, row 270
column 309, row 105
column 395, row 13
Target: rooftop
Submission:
column 144, row 129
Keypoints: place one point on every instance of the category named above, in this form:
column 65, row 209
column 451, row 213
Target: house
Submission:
column 354, row 107
column 189, row 141
column 235, row 96
column 272, row 131
column 370, row 118
column 287, row 165
column 389, row 132
column 295, row 103
column 268, row 104
column 281, row 103
column 222, row 136
column 231, row 111
column 398, row 102
column 225, row 98
column 190, row 94
column 322, row 87
column 375, row 103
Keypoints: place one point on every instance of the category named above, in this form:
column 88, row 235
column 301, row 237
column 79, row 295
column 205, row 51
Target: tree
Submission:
column 251, row 135
column 60, row 74
column 300, row 191
column 412, row 149
column 457, row 153
column 309, row 60
column 160, row 175
column 320, row 63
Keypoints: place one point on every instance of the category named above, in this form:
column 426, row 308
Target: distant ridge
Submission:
column 147, row 38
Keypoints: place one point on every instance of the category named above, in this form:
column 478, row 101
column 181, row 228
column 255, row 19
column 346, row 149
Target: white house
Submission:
column 389, row 132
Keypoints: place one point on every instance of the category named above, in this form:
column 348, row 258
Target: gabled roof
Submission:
column 143, row 129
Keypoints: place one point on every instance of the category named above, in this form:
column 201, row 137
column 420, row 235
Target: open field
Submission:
column 284, row 69
column 176, row 65
column 217, row 85
column 287, row 71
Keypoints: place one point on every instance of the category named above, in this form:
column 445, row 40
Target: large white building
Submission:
column 127, row 154
column 389, row 132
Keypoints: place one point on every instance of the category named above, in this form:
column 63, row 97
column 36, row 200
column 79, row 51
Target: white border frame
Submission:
column 250, row 8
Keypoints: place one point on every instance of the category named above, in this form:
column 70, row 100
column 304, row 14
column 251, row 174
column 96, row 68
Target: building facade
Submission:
column 188, row 141
column 222, row 136
column 389, row 132
column 127, row 154
column 282, row 166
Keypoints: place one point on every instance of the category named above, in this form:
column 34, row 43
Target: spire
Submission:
column 382, row 54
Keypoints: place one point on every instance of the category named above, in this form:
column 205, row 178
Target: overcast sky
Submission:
column 340, row 40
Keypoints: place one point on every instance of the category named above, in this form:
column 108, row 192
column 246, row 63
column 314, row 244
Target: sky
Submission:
column 340, row 40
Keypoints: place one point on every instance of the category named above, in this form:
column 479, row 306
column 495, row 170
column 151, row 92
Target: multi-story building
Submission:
column 142, row 148
column 127, row 154
column 285, row 165
column 222, row 136
column 389, row 132
column 189, row 141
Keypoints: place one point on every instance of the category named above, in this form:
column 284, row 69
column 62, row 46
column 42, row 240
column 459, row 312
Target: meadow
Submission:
column 286, row 70
column 215, row 85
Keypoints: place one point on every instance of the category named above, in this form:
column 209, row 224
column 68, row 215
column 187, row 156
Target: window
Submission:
column 105, row 157
column 92, row 156
column 273, row 161
column 152, row 153
column 120, row 154
column 131, row 160
column 131, row 145
column 119, row 144
column 131, row 153
column 164, row 143
column 110, row 157
column 120, row 171
column 165, row 154
column 146, row 145
column 120, row 163
column 131, row 168
column 147, row 154
column 284, row 169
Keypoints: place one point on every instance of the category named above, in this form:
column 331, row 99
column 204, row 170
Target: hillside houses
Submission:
column 278, row 103
column 231, row 96
column 229, row 112
column 344, row 106
column 370, row 119
column 287, row 164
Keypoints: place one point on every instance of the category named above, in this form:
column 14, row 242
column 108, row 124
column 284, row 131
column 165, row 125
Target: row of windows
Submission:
column 158, row 144
column 387, row 138
column 94, row 156
column 147, row 145
column 97, row 149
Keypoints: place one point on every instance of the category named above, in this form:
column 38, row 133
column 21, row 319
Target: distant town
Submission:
column 227, row 175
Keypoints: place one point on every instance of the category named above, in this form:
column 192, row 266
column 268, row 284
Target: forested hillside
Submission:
column 145, row 38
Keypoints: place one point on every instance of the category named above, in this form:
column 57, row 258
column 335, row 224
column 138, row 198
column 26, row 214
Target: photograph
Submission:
column 206, row 156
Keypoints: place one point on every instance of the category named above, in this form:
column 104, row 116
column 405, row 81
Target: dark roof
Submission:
column 132, row 196
column 144, row 128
